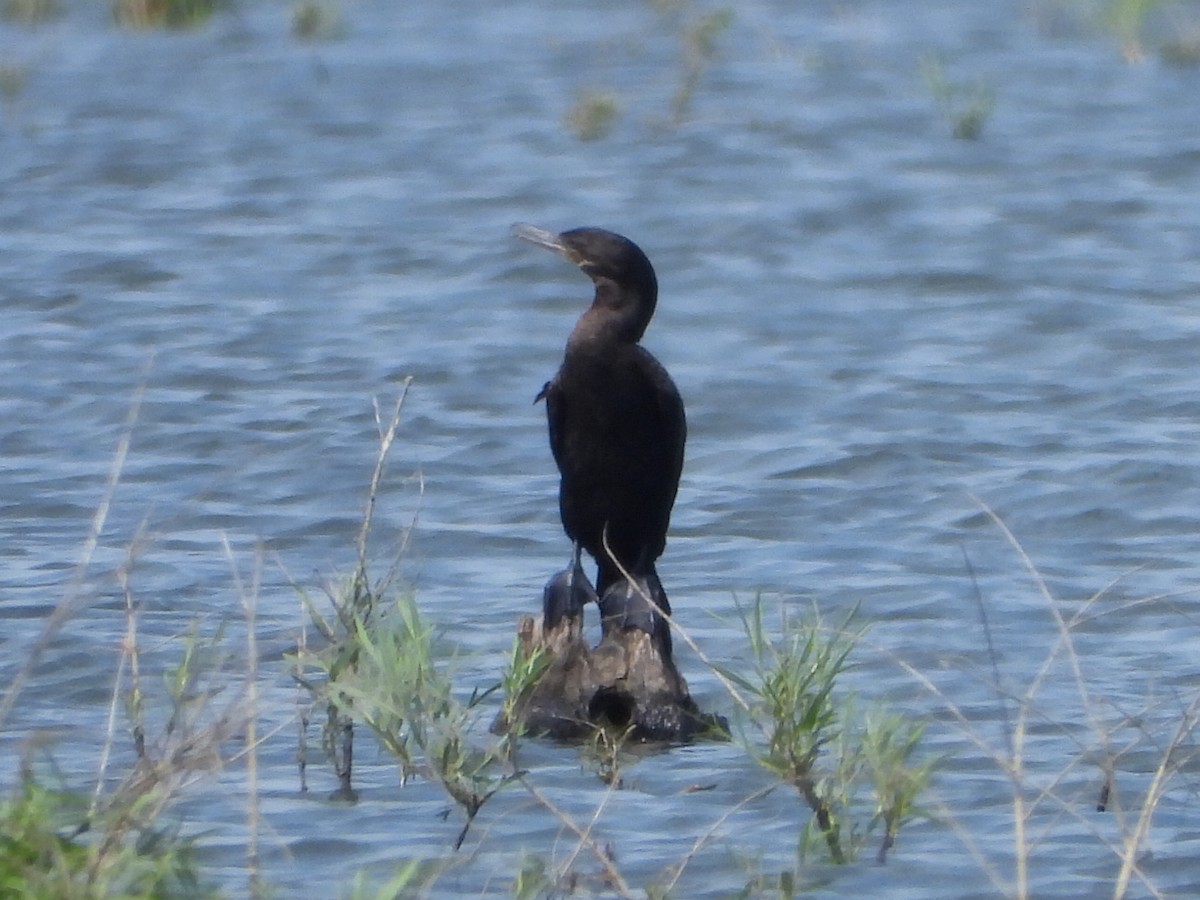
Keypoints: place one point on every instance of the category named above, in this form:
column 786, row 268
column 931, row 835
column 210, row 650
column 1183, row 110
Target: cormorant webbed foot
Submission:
column 566, row 593
column 626, row 606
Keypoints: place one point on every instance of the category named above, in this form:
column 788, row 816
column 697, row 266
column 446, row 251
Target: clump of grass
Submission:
column 1183, row 49
column 604, row 751
column 532, row 880
column 527, row 662
column 188, row 745
column 413, row 878
column 794, row 683
column 13, row 78
column 164, row 13
column 31, row 12
column 64, row 844
column 380, row 669
column 699, row 49
column 398, row 691
column 888, row 748
column 1128, row 21
column 315, row 20
column 354, row 608
column 593, row 115
column 966, row 107
column 815, row 742
column 697, row 33
column 46, row 853
column 1139, row 27
column 1181, row 46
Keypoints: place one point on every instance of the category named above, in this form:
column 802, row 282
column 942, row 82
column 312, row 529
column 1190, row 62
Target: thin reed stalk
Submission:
column 249, row 599
column 68, row 605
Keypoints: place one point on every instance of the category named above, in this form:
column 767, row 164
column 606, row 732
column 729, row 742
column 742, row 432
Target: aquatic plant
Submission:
column 604, row 753
column 1175, row 34
column 889, row 742
column 398, row 690
column 696, row 34
column 47, row 852
column 593, row 114
column 164, row 13
column 1183, row 48
column 532, row 880
column 379, row 668
column 1128, row 21
column 1170, row 28
column 815, row 743
column 698, row 51
column 315, row 20
column 31, row 12
column 411, row 879
column 13, row 77
column 526, row 664
column 966, row 107
column 354, row 608
column 794, row 683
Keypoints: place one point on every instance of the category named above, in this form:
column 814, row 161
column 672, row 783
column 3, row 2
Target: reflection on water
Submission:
column 871, row 324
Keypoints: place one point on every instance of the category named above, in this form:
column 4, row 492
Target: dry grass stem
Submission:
column 706, row 835
column 249, row 599
column 387, row 435
column 1103, row 752
column 615, row 879
column 67, row 606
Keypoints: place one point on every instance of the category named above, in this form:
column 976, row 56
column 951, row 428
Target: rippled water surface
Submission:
column 878, row 331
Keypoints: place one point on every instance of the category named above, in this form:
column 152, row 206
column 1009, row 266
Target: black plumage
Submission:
column 617, row 423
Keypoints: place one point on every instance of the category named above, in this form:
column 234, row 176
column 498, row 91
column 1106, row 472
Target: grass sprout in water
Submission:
column 355, row 610
column 13, row 77
column 697, row 34
column 699, row 40
column 31, row 12
column 379, row 668
column 593, row 114
column 966, row 107
column 164, row 13
column 316, row 20
column 815, row 742
column 399, row 691
column 1128, row 20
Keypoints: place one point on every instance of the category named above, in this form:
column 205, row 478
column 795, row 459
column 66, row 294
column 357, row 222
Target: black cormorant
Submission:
column 617, row 425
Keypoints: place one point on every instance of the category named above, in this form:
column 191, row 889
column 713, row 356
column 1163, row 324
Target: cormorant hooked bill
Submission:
column 617, row 425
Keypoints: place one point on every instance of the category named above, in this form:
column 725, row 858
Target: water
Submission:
column 877, row 331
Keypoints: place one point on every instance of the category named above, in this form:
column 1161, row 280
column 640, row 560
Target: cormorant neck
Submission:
column 619, row 313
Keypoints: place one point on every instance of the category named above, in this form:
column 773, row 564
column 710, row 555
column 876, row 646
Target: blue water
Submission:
column 880, row 333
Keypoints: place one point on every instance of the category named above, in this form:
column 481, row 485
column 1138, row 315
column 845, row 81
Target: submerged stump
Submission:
column 627, row 681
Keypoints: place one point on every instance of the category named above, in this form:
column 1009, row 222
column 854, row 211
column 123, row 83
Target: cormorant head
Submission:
column 626, row 288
